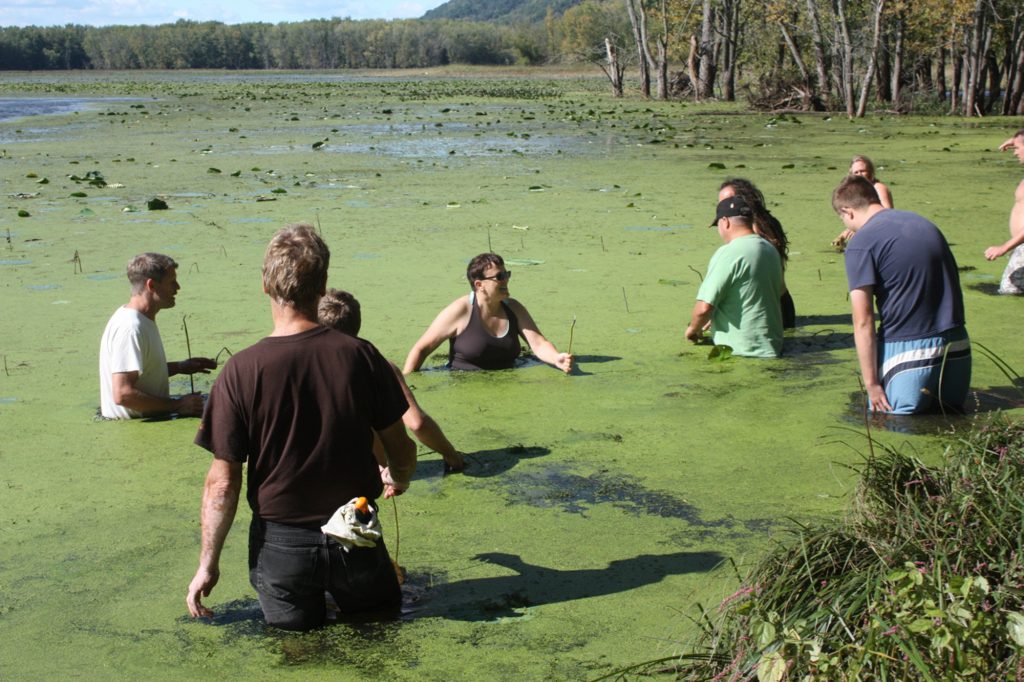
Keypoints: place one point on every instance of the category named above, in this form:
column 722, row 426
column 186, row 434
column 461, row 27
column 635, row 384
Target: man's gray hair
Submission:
column 148, row 266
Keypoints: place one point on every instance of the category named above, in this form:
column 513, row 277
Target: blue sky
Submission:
column 108, row 12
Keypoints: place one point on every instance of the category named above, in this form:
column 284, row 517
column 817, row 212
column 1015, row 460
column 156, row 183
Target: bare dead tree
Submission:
column 876, row 24
column 844, row 44
column 707, row 67
column 614, row 68
column 820, row 60
column 638, row 21
column 730, row 33
column 974, row 57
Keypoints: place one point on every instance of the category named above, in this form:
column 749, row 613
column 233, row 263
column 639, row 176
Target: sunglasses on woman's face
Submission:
column 502, row 276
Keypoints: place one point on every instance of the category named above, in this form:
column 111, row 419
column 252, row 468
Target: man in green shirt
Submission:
column 740, row 295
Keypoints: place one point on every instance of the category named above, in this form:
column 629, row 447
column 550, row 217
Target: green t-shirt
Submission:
column 744, row 284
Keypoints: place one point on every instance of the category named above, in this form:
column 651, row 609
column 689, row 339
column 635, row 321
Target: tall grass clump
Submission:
column 921, row 581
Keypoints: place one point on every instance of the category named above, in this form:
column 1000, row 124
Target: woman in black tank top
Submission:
column 484, row 327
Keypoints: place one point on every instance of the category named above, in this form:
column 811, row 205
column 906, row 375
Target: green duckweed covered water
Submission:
column 596, row 506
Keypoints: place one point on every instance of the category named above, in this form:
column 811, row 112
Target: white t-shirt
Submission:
column 131, row 343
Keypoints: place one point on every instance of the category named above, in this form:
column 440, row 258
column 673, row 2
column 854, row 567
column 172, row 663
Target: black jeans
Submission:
column 292, row 566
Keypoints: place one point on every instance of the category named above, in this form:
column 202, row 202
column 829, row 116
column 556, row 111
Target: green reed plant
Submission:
column 922, row 581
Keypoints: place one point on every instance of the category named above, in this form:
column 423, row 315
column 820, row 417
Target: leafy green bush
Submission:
column 923, row 580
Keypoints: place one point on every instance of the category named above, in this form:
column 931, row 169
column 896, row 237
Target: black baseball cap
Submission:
column 730, row 208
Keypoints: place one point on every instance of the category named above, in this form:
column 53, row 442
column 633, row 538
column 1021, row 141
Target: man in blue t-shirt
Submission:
column 920, row 358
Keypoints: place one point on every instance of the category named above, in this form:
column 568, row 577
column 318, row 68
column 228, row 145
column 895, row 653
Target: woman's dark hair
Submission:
column 765, row 224
column 476, row 267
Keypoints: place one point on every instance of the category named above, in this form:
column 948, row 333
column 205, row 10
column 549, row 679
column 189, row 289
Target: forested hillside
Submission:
column 502, row 11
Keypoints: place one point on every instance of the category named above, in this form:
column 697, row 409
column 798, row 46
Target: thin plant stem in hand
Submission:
column 188, row 347
column 571, row 328
column 224, row 349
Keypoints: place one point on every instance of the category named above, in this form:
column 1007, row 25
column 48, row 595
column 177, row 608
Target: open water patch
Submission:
column 15, row 261
column 575, row 493
column 12, row 108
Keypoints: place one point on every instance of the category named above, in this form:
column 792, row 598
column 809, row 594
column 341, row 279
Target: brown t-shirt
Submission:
column 301, row 410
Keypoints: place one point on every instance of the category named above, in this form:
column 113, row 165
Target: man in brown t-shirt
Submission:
column 300, row 407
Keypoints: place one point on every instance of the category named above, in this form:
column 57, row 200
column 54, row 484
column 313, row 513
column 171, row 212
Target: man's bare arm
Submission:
column 220, row 502
column 127, row 395
column 1016, row 227
column 862, row 304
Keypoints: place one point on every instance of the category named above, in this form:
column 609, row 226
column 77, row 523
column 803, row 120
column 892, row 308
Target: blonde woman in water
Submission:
column 865, row 168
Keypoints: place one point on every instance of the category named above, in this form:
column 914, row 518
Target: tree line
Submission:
column 962, row 56
column 316, row 44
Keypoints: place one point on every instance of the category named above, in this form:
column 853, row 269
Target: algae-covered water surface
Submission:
column 598, row 508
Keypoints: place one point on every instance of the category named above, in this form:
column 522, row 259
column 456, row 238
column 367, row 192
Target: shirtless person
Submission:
column 1012, row 281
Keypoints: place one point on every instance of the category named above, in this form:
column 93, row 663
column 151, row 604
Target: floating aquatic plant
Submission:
column 720, row 353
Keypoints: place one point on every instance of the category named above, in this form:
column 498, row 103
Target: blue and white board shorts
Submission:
column 927, row 375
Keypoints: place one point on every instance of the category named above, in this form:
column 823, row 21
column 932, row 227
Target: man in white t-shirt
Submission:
column 133, row 367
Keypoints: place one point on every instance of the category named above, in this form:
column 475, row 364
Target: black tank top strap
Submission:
column 475, row 348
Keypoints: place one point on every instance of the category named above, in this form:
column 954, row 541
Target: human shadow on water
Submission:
column 488, row 463
column 809, row 320
column 989, row 288
column 581, row 361
column 817, row 342
column 488, row 599
column 595, row 359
